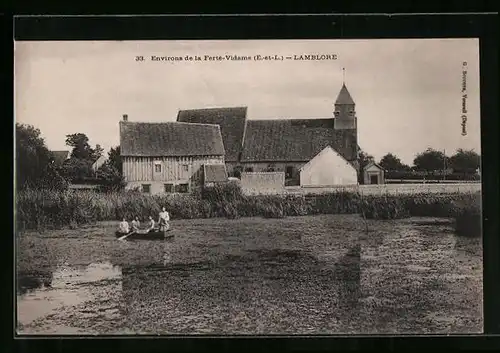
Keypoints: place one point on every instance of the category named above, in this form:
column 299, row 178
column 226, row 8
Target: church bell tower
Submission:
column 344, row 113
column 345, row 121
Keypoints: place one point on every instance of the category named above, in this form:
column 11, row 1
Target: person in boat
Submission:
column 152, row 225
column 163, row 220
column 124, row 227
column 135, row 224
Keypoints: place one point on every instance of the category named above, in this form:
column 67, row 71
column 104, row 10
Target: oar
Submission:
column 126, row 235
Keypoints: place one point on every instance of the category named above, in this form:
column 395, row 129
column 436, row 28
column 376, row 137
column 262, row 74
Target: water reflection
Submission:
column 29, row 281
column 69, row 293
column 254, row 291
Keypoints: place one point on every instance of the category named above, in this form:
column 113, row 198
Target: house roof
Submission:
column 324, row 150
column 231, row 121
column 170, row 139
column 292, row 139
column 374, row 164
column 60, row 156
column 215, row 173
column 344, row 96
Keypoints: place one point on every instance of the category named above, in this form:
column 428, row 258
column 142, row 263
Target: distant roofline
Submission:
column 171, row 155
column 167, row 122
column 274, row 160
column 292, row 118
column 215, row 108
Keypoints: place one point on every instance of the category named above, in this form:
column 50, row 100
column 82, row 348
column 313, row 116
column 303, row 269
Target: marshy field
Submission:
column 333, row 264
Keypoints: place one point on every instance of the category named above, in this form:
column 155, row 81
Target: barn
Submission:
column 328, row 168
column 168, row 157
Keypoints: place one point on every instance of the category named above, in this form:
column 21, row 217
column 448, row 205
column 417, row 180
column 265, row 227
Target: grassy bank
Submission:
column 40, row 209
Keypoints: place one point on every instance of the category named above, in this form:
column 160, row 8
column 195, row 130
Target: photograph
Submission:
column 248, row 187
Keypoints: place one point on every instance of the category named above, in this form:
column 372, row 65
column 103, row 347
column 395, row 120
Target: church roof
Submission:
column 292, row 140
column 231, row 121
column 170, row 139
column 344, row 96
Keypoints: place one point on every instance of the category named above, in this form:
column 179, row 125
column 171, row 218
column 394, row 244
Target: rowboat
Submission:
column 145, row 235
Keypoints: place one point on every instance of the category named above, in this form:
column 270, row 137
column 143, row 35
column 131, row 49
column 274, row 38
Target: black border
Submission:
column 300, row 27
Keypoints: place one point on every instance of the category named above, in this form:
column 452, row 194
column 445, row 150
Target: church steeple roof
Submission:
column 344, row 96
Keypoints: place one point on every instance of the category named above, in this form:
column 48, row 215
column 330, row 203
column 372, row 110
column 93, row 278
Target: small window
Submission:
column 185, row 168
column 289, row 172
column 157, row 167
column 146, row 188
column 182, row 188
column 337, row 113
column 169, row 188
column 249, row 170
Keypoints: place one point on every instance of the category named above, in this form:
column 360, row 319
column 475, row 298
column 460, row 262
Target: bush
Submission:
column 468, row 218
column 227, row 192
column 385, row 207
column 41, row 208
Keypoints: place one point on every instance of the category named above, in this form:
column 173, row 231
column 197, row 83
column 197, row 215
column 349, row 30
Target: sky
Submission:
column 408, row 92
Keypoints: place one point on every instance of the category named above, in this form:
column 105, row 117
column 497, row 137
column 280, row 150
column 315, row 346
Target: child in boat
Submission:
column 163, row 220
column 136, row 224
column 124, row 227
column 152, row 224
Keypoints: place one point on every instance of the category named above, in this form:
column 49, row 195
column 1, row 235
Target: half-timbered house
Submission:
column 168, row 157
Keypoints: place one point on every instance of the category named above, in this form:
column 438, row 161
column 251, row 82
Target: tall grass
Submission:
column 39, row 209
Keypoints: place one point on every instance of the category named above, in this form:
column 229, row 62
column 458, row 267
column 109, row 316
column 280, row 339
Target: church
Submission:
column 205, row 146
column 282, row 144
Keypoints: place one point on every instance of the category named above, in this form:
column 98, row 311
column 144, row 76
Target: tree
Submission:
column 465, row 161
column 364, row 159
column 53, row 179
column 115, row 159
column 392, row 163
column 430, row 160
column 76, row 170
column 237, row 171
column 81, row 147
column 110, row 178
column 32, row 156
column 98, row 150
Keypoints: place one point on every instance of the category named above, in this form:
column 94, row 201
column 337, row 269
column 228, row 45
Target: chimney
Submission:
column 125, row 117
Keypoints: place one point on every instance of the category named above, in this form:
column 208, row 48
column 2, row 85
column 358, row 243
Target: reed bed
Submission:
column 42, row 209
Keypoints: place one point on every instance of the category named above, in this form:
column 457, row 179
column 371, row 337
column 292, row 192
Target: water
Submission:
column 240, row 294
column 401, row 277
